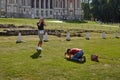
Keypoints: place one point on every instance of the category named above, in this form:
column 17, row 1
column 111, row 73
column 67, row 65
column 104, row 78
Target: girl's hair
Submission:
column 41, row 20
column 68, row 50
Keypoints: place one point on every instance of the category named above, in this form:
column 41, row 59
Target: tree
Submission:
column 86, row 9
column 106, row 10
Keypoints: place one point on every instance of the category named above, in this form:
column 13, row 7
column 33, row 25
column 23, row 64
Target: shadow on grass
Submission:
column 36, row 55
column 82, row 62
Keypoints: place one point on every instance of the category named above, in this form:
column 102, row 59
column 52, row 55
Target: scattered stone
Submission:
column 87, row 36
column 45, row 38
column 68, row 36
column 116, row 35
column 103, row 35
column 19, row 39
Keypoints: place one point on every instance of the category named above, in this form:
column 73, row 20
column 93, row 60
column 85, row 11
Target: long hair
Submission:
column 68, row 50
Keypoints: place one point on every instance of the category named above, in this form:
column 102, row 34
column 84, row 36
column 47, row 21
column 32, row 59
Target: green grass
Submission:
column 16, row 62
column 61, row 26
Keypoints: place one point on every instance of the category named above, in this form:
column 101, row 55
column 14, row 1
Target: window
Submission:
column 42, row 3
column 46, row 13
column 51, row 4
column 32, row 3
column 46, row 4
column 37, row 13
column 37, row 3
column 42, row 13
column 24, row 9
column 50, row 12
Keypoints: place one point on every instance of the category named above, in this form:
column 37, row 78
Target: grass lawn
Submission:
column 61, row 26
column 16, row 62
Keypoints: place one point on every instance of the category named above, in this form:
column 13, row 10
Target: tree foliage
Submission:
column 86, row 9
column 106, row 10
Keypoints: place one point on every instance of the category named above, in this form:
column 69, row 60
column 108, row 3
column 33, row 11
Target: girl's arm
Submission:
column 68, row 56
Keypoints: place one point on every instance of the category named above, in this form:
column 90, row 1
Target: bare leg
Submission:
column 40, row 44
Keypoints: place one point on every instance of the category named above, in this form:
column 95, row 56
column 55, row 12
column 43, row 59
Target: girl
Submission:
column 40, row 25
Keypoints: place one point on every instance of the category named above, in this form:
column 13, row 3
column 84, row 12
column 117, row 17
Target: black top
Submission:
column 41, row 26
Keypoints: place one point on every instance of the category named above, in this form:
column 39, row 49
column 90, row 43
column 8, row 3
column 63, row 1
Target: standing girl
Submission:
column 40, row 25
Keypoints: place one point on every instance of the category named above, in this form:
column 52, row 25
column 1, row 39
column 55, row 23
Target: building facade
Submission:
column 57, row 9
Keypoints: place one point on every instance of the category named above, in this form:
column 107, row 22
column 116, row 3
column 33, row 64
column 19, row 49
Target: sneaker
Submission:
column 39, row 48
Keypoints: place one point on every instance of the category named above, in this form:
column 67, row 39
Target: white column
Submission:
column 76, row 2
column 62, row 9
column 48, row 7
column 48, row 4
column 66, row 7
column 44, row 4
column 44, row 7
column 66, row 3
column 35, row 8
column 39, row 4
column 40, row 7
